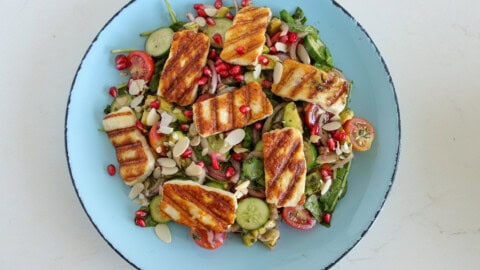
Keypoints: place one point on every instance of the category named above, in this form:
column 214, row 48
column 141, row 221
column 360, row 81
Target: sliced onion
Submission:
column 293, row 50
column 268, row 41
column 281, row 47
column 283, row 28
column 302, row 34
column 217, row 174
column 277, row 72
column 343, row 162
column 258, row 154
column 303, row 54
column 268, row 123
column 214, row 81
column 283, row 56
column 235, row 3
column 190, row 17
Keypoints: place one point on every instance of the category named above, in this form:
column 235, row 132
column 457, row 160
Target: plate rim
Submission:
column 397, row 154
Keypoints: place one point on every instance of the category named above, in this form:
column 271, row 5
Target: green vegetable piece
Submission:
column 329, row 200
column 221, row 26
column 311, row 154
column 172, row 14
column 176, row 26
column 248, row 140
column 158, row 43
column 286, row 17
column 119, row 102
column 222, row 12
column 274, row 25
column 300, row 28
column 249, row 239
column 252, row 169
column 299, row 16
column 216, row 184
column 259, row 146
column 155, row 212
column 312, row 205
column 318, row 51
column 252, row 213
column 215, row 142
column 271, row 237
column 291, row 117
column 313, row 183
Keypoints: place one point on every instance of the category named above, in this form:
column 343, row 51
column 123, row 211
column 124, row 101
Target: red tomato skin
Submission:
column 204, row 97
column 311, row 115
column 156, row 139
column 351, row 127
column 201, row 238
column 141, row 66
column 298, row 218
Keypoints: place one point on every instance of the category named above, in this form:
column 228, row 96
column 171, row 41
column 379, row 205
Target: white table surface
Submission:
column 431, row 219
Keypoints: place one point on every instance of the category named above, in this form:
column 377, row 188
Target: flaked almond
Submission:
column 204, row 151
column 166, row 162
column 235, row 137
column 157, row 173
column 166, row 119
column 192, row 131
column 257, row 71
column 169, row 171
column 165, row 130
column 163, row 232
column 136, row 101
column 303, row 54
column 240, row 149
column 136, row 87
column 277, row 72
column 195, row 141
column 243, row 185
column 326, row 186
column 331, row 126
column 193, row 170
column 281, row 47
column 180, row 147
column 152, row 117
column 135, row 190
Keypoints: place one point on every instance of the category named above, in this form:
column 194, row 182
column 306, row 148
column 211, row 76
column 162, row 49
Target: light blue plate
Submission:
column 105, row 198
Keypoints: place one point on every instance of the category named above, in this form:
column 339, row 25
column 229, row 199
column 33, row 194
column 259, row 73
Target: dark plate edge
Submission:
column 66, row 129
column 335, row 3
column 391, row 180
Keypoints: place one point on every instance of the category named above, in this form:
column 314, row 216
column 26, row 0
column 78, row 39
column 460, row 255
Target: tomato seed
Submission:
column 217, row 38
column 155, row 104
column 111, row 169
column 240, row 50
column 140, row 222
column 230, row 172
column 210, row 21
column 141, row 213
column 237, row 156
column 113, row 91
column 244, row 109
column 218, row 4
column 258, row 126
column 263, row 60
column 188, row 113
column 229, row 15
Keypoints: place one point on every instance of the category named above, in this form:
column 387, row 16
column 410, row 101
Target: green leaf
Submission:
column 312, row 205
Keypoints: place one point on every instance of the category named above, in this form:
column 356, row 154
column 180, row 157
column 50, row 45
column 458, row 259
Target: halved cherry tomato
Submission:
column 142, row 65
column 157, row 139
column 204, row 97
column 298, row 218
column 312, row 114
column 361, row 133
column 207, row 239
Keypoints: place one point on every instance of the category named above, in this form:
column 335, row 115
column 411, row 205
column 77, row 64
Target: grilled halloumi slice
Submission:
column 222, row 113
column 133, row 153
column 285, row 167
column 183, row 68
column 195, row 205
column 305, row 82
column 248, row 30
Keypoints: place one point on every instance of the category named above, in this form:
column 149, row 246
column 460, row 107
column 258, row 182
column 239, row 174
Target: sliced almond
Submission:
column 303, row 54
column 211, row 12
column 152, row 117
column 157, row 173
column 329, row 158
column 166, row 162
column 180, row 147
column 193, row 170
column 235, row 136
column 136, row 87
column 277, row 72
column 257, row 71
column 331, row 126
column 326, row 186
column 243, row 185
column 192, row 131
column 281, row 47
column 136, row 101
column 195, row 141
column 204, row 151
column 240, row 149
column 169, row 171
column 165, row 130
column 200, row 21
column 135, row 190
column 163, row 232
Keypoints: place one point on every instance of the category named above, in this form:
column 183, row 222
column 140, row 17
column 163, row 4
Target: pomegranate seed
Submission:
column 224, row 73
column 263, row 60
column 331, row 144
column 229, row 15
column 184, row 127
column 121, row 62
column 207, row 72
column 140, row 222
column 283, row 39
column 339, row 135
column 292, row 37
column 198, row 6
column 230, row 172
column 201, row 164
column 188, row 113
column 140, row 126
column 141, row 213
column 326, row 218
column 218, row 4
column 258, row 126
column 244, row 109
column 237, row 156
column 121, row 66
column 215, row 164
column 217, row 38
column 113, row 91
column 325, row 172
column 235, row 70
column 239, row 78
column 187, row 153
column 314, row 130
column 111, row 169
column 273, row 49
column 155, row 104
column 201, row 12
column 213, row 54
column 240, row 50
column 266, row 84
column 246, row 3
column 202, row 81
column 210, row 21
column 221, row 67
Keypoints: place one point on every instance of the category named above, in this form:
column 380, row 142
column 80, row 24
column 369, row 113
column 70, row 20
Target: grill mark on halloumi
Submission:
column 248, row 30
column 209, row 115
column 183, row 68
column 285, row 167
column 134, row 156
column 305, row 82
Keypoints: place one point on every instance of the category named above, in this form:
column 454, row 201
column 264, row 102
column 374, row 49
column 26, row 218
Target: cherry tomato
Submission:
column 298, row 218
column 361, row 133
column 157, row 139
column 312, row 115
column 204, row 97
column 207, row 239
column 142, row 65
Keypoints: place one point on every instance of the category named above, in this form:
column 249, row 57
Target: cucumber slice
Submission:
column 158, row 43
column 318, row 51
column 252, row 213
column 120, row 102
column 155, row 212
column 310, row 154
column 221, row 26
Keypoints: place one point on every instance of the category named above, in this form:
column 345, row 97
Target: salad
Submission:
column 232, row 121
